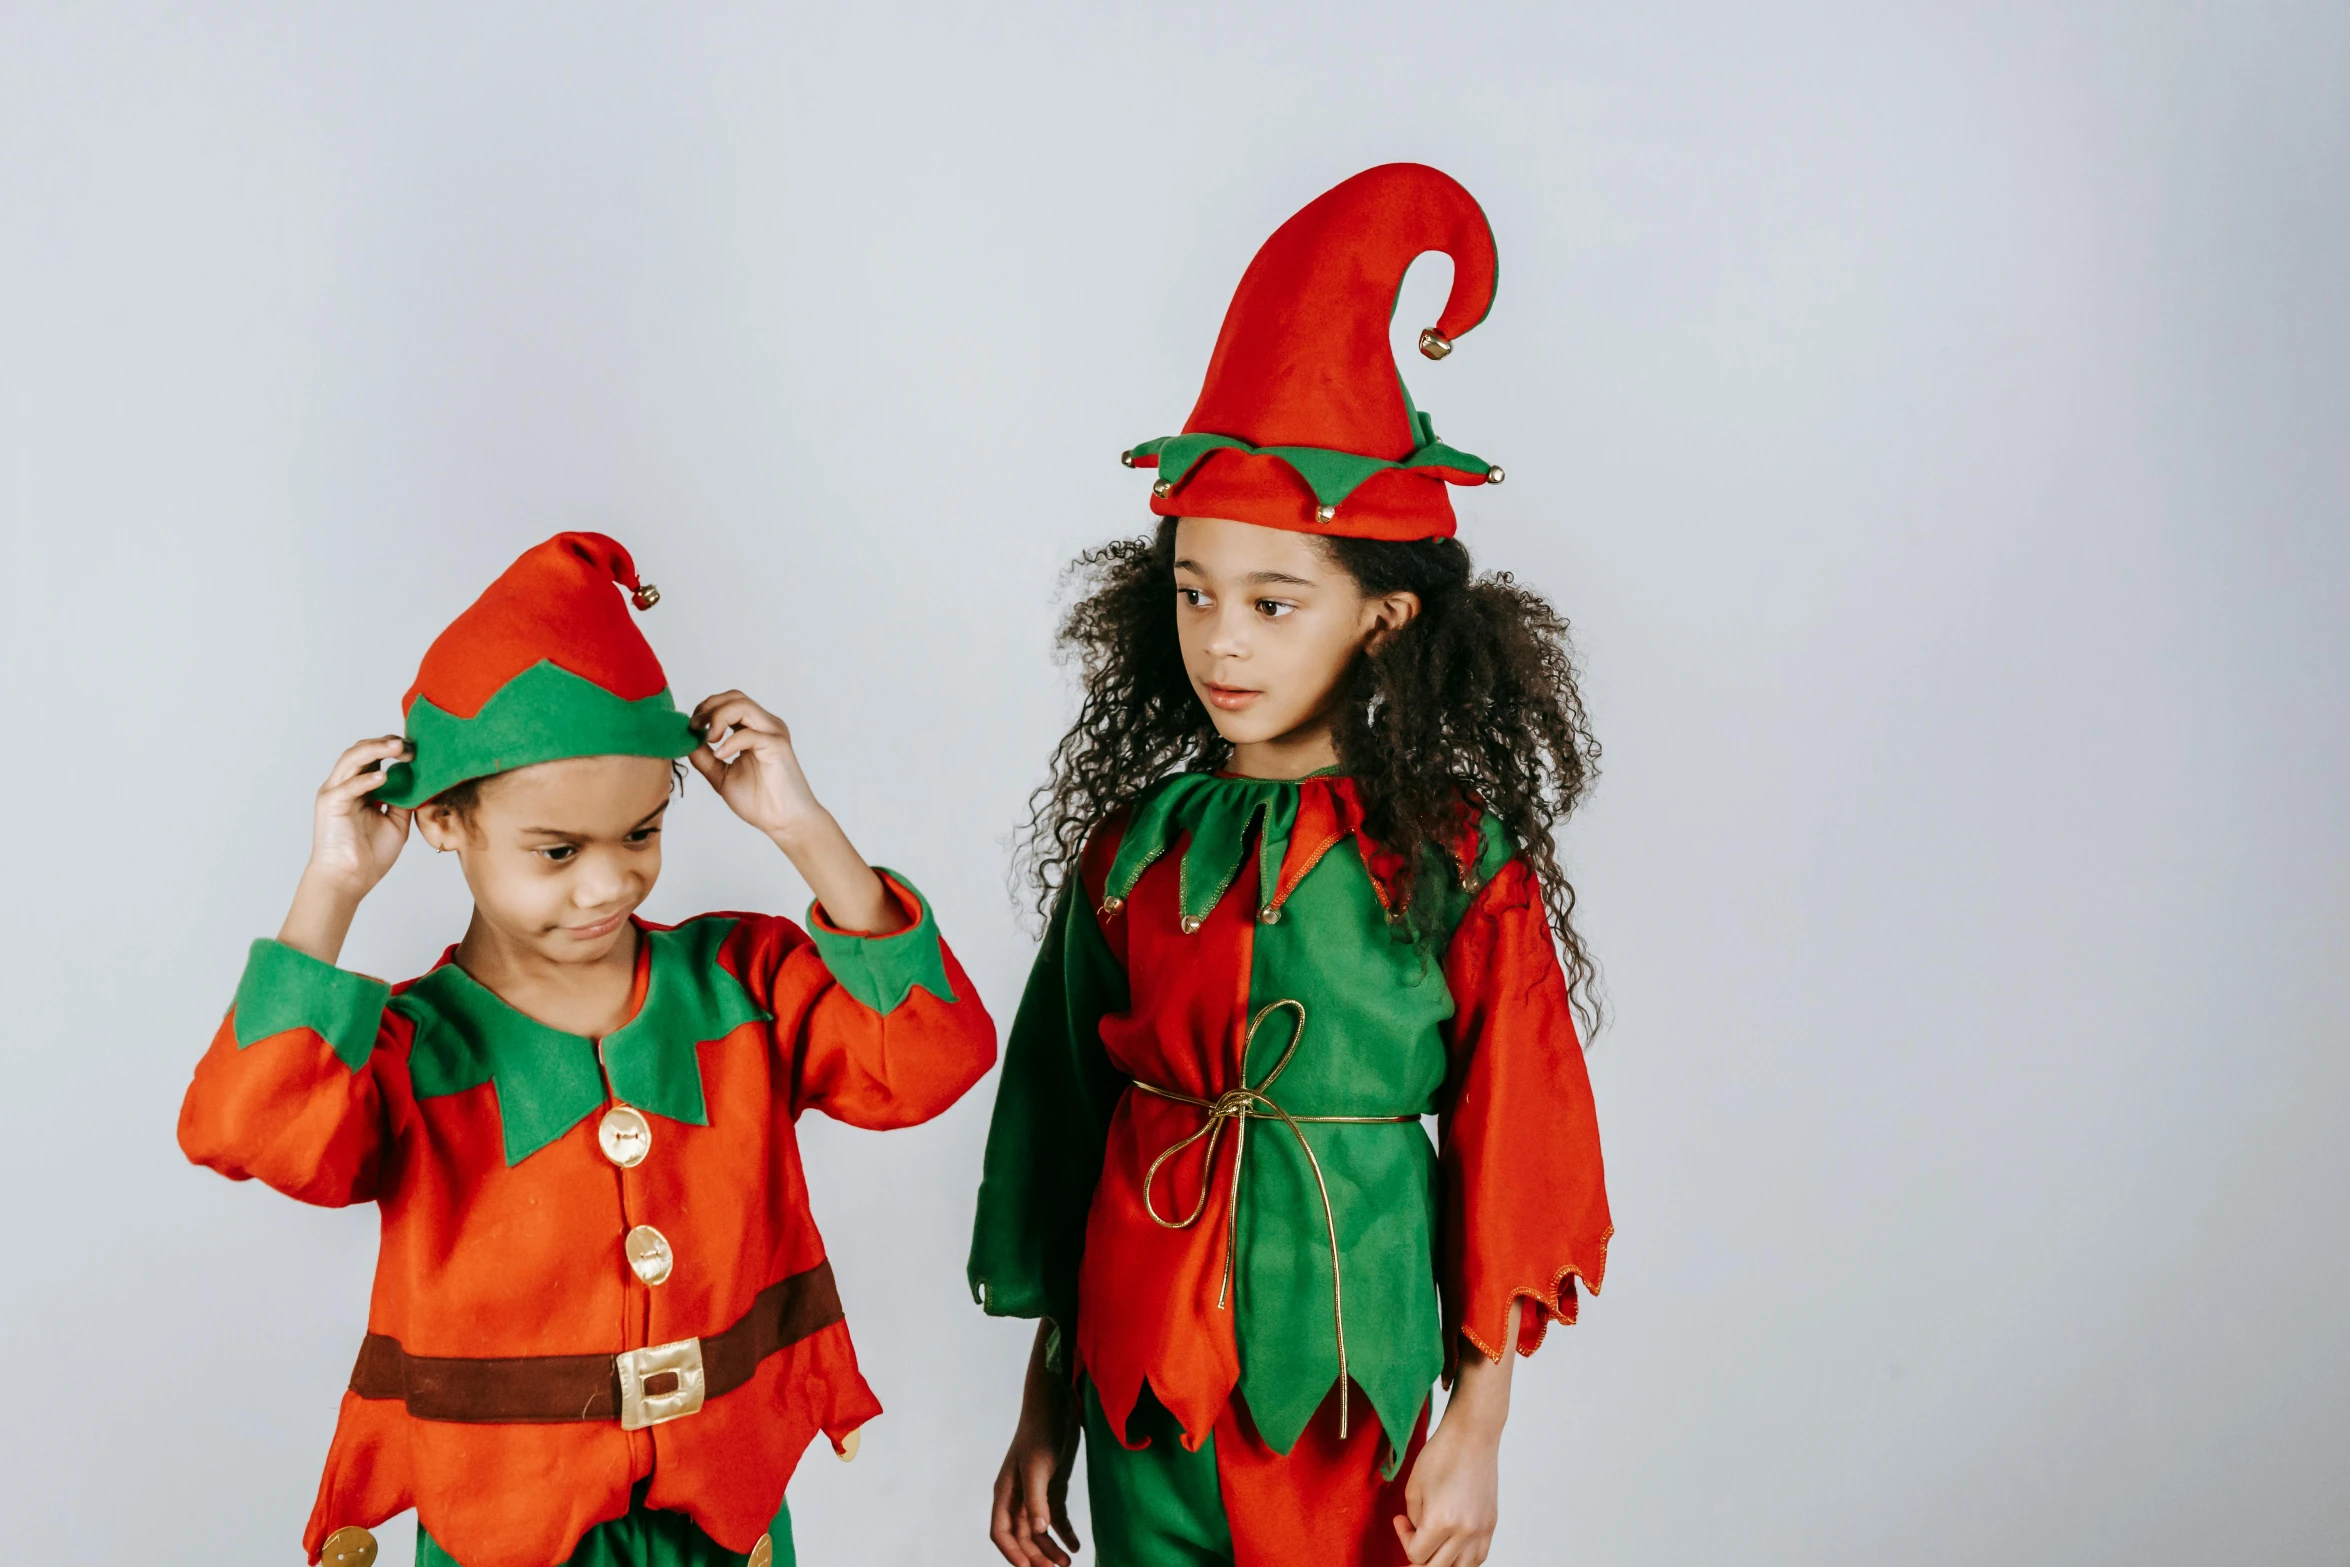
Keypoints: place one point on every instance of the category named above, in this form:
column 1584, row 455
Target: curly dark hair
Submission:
column 1475, row 699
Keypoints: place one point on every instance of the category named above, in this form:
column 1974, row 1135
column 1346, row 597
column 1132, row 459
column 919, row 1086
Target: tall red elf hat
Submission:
column 545, row 665
column 1304, row 422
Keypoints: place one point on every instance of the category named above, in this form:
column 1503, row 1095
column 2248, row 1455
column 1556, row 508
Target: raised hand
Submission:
column 747, row 755
column 353, row 844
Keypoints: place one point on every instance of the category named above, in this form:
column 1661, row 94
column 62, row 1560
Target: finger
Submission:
column 707, row 764
column 700, row 718
column 999, row 1523
column 1036, row 1487
column 356, row 787
column 1403, row 1532
column 363, row 757
column 1062, row 1523
column 1030, row 1555
column 740, row 712
column 400, row 816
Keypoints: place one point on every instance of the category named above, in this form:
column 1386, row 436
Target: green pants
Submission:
column 643, row 1537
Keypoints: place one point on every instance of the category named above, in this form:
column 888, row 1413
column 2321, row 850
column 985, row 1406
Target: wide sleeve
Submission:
column 1052, row 1116
column 880, row 1031
column 1524, row 1198
column 292, row 1091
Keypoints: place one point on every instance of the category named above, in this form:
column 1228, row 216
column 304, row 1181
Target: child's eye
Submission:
column 1195, row 597
column 643, row 835
column 559, row 852
column 1273, row 609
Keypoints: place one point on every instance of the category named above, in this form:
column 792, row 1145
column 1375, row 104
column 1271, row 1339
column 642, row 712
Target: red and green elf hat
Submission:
column 1304, row 422
column 545, row 665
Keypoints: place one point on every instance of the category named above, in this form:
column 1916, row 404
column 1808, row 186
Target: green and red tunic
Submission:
column 551, row 1202
column 1228, row 963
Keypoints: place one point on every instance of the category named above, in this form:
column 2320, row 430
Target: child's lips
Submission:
column 599, row 929
column 1231, row 698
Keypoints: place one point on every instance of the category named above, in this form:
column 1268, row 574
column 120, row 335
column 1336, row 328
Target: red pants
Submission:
column 1236, row 1502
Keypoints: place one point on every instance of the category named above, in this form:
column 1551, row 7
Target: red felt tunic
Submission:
column 480, row 1258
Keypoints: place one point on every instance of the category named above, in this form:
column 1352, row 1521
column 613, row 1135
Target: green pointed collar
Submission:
column 1217, row 813
column 548, row 1081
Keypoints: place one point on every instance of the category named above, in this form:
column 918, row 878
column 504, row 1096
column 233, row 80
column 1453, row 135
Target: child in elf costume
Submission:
column 603, row 1327
column 1302, row 893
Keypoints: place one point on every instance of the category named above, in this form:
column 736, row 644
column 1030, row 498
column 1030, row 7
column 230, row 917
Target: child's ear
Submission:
column 437, row 825
column 1390, row 613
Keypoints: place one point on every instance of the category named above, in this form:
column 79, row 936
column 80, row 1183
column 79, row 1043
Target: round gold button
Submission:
column 349, row 1546
column 625, row 1136
column 649, row 1254
column 762, row 1554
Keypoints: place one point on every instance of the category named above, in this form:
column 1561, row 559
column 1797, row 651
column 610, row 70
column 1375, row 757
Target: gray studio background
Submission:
column 1933, row 419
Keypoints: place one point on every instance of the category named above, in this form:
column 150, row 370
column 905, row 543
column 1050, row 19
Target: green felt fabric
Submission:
column 548, row 1080
column 1331, row 475
column 1052, row 1119
column 1372, row 1046
column 1160, row 1507
column 1217, row 815
column 544, row 714
column 882, row 971
column 285, row 989
column 643, row 1537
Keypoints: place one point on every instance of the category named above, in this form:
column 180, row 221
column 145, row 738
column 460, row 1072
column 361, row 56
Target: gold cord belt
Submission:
column 1238, row 1107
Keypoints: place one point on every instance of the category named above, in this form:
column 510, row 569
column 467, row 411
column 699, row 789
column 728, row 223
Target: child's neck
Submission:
column 1308, row 748
column 577, row 998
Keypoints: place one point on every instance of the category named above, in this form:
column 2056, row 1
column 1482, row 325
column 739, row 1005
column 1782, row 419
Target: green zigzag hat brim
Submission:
column 1331, row 475
column 544, row 714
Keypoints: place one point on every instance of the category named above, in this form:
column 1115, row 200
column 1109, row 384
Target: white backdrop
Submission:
column 1931, row 417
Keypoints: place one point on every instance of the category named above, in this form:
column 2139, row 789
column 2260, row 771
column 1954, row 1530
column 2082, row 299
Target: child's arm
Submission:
column 1525, row 1200
column 290, row 1091
column 881, row 1025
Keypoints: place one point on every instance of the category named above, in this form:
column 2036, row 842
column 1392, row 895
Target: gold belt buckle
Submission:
column 660, row 1382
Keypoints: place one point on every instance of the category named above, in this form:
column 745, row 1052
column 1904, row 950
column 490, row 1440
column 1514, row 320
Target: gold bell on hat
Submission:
column 349, row 1546
column 1164, row 488
column 1434, row 344
column 646, row 597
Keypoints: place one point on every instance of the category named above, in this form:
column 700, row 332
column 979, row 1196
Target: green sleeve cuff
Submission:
column 284, row 989
column 882, row 971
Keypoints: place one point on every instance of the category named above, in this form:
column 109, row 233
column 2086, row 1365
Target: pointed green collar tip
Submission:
column 1217, row 814
column 548, row 1081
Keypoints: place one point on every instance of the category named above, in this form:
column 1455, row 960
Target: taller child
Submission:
column 603, row 1327
column 1298, row 846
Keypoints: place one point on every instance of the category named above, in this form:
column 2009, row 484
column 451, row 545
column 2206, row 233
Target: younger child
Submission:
column 603, row 1327
column 1300, row 845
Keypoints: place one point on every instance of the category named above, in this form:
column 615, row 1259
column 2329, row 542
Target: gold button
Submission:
column 762, row 1554
column 349, row 1546
column 649, row 1254
column 625, row 1136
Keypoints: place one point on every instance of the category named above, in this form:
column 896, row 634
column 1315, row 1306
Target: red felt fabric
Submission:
column 1321, row 1504
column 556, row 602
column 1524, row 1208
column 1303, row 357
column 479, row 1259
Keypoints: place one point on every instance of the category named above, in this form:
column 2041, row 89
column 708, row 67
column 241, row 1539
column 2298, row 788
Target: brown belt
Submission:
column 639, row 1388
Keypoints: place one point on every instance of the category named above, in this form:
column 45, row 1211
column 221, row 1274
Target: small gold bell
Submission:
column 1164, row 488
column 1111, row 906
column 1127, row 458
column 1269, row 916
column 1494, row 476
column 1435, row 344
column 646, row 597
column 1191, row 924
column 1325, row 513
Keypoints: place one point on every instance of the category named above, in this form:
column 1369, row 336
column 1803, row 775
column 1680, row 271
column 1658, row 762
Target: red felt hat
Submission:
column 546, row 664
column 1304, row 421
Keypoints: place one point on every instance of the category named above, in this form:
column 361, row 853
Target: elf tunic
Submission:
column 597, row 1265
column 1227, row 992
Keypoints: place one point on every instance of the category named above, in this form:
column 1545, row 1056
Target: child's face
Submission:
column 558, row 855
column 1269, row 623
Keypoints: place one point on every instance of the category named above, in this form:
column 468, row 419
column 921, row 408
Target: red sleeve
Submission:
column 881, row 1031
column 1525, row 1202
column 293, row 1089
